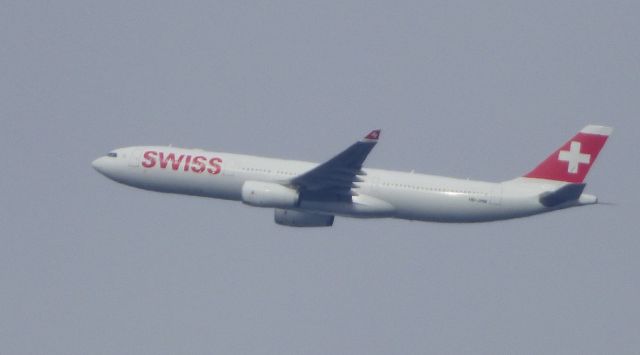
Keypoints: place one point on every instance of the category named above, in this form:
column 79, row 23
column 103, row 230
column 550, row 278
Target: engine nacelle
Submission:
column 302, row 219
column 266, row 194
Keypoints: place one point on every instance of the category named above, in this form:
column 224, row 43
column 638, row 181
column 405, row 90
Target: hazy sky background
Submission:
column 479, row 89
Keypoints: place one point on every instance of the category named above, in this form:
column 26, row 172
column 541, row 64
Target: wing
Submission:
column 334, row 179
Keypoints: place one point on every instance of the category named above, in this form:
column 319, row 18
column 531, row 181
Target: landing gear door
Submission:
column 134, row 157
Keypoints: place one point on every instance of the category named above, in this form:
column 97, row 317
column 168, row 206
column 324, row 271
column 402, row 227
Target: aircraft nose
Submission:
column 99, row 164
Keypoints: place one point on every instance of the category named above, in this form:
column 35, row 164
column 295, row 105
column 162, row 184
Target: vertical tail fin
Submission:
column 572, row 161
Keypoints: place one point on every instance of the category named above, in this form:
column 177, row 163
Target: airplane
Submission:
column 305, row 194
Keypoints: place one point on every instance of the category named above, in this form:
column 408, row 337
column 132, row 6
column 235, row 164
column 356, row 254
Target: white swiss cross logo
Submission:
column 574, row 157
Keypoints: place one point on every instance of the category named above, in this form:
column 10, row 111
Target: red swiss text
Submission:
column 182, row 162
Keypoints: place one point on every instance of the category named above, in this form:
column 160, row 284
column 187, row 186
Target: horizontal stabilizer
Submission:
column 569, row 192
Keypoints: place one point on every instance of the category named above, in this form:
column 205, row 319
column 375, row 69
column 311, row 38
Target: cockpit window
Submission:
column 112, row 154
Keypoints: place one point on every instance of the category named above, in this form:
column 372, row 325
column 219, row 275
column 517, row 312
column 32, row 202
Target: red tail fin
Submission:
column 572, row 161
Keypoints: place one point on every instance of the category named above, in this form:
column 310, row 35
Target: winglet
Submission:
column 372, row 136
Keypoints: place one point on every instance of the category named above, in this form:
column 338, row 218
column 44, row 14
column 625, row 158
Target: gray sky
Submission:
column 484, row 90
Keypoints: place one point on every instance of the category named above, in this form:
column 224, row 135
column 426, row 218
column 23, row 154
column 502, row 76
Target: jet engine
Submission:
column 267, row 194
column 302, row 219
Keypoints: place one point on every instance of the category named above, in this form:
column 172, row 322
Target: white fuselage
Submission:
column 382, row 193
